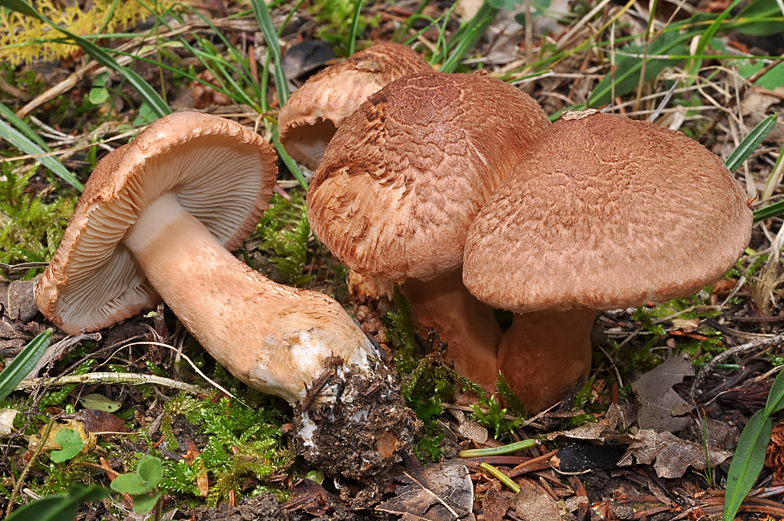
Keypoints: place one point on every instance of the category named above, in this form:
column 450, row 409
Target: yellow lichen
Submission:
column 26, row 39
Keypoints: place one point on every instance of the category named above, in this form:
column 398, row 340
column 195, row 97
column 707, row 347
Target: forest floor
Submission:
column 650, row 436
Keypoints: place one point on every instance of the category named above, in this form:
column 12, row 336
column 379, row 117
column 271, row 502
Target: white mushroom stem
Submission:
column 272, row 337
column 467, row 325
column 544, row 353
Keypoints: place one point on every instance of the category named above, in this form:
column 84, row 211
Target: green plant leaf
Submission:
column 760, row 18
column 747, row 462
column 61, row 507
column 776, row 396
column 98, row 95
column 144, row 503
column 129, row 483
column 144, row 89
column 24, row 362
column 99, row 402
column 629, row 68
column 751, row 142
column 20, row 141
column 70, row 444
column 506, row 5
column 150, row 470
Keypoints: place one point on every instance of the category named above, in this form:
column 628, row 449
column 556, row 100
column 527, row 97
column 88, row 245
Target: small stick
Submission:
column 754, row 345
column 110, row 378
column 331, row 365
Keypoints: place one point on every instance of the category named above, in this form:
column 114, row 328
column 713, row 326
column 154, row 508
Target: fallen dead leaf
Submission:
column 441, row 492
column 661, row 408
column 531, row 504
column 669, row 455
column 101, row 421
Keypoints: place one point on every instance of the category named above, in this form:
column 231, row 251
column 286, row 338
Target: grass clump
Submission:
column 30, row 230
column 334, row 19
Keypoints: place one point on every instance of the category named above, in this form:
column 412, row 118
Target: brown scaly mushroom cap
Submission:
column 223, row 174
column 601, row 213
column 308, row 120
column 403, row 178
column 156, row 218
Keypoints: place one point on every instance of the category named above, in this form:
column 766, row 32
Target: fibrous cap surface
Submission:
column 603, row 213
column 313, row 112
column 221, row 172
column 407, row 172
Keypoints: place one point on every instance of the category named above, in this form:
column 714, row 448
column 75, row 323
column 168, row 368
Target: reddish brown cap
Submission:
column 603, row 213
column 308, row 120
column 407, row 172
column 221, row 172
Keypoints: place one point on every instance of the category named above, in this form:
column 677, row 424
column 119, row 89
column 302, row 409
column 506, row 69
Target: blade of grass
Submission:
column 22, row 127
column 284, row 156
column 24, row 362
column 403, row 29
column 24, row 144
column 751, row 142
column 467, row 36
column 773, row 210
column 352, row 36
column 147, row 93
column 706, row 37
column 775, row 177
column 747, row 462
column 271, row 37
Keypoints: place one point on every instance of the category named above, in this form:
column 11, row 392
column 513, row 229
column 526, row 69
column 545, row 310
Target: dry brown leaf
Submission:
column 661, row 408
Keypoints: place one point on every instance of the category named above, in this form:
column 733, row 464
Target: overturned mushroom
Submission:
column 402, row 180
column 155, row 221
column 309, row 119
column 601, row 213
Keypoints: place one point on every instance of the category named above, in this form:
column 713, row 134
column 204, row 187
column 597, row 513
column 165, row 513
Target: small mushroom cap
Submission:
column 604, row 213
column 221, row 172
column 407, row 172
column 308, row 120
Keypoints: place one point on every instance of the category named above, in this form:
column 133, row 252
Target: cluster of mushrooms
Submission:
column 458, row 188
column 455, row 186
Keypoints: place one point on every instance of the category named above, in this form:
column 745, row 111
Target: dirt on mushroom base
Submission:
column 387, row 428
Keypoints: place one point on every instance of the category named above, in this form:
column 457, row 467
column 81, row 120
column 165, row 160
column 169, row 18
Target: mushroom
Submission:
column 155, row 221
column 400, row 183
column 312, row 114
column 601, row 213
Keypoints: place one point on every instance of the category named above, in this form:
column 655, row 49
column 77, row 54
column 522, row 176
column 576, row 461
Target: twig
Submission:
column 23, row 475
column 110, row 378
column 754, row 345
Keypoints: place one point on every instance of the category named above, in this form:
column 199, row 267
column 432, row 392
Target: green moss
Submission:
column 426, row 382
column 243, row 442
column 30, row 230
column 284, row 232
